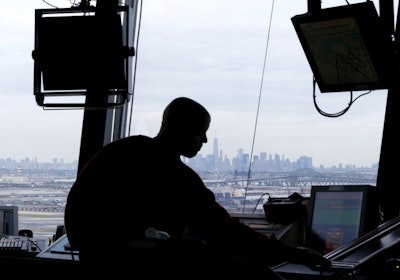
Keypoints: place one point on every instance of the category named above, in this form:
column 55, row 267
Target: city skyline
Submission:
column 216, row 158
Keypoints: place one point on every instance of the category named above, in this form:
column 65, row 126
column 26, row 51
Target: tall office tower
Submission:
column 239, row 160
column 215, row 152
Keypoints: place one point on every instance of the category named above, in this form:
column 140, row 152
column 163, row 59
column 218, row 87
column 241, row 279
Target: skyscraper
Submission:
column 215, row 153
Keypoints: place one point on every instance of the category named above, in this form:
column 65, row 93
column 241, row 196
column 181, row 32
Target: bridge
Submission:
column 297, row 179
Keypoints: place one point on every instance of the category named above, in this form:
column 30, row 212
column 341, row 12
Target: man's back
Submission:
column 133, row 184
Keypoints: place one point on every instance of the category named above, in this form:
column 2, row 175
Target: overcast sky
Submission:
column 212, row 51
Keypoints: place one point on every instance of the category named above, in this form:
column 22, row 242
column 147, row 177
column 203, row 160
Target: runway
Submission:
column 43, row 224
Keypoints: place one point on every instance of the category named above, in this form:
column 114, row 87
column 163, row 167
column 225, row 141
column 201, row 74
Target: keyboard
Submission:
column 12, row 244
column 18, row 246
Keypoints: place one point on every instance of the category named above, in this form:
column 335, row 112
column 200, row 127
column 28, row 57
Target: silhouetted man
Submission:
column 138, row 183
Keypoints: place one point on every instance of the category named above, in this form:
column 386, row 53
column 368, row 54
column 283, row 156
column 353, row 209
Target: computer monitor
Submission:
column 9, row 220
column 80, row 53
column 340, row 214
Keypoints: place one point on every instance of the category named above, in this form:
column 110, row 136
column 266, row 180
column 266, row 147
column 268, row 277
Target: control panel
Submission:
column 11, row 245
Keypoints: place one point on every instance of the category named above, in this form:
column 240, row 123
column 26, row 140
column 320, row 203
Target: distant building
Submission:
column 14, row 179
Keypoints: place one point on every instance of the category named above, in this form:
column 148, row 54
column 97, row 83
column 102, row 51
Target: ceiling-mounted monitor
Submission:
column 346, row 47
column 79, row 53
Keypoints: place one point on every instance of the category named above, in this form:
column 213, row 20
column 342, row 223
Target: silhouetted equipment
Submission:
column 286, row 209
column 60, row 249
column 373, row 255
column 25, row 232
column 346, row 47
column 78, row 54
column 9, row 219
column 374, row 247
column 60, row 231
column 20, row 246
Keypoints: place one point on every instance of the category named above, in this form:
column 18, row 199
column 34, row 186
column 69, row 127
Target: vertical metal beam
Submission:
column 388, row 179
column 93, row 133
column 104, row 125
column 96, row 126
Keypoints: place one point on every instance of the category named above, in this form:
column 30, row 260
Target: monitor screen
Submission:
column 340, row 214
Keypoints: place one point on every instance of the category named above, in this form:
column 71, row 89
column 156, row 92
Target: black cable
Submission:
column 50, row 4
column 72, row 254
column 340, row 113
column 255, row 208
column 258, row 107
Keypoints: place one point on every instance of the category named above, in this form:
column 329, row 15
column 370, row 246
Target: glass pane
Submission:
column 245, row 64
column 242, row 60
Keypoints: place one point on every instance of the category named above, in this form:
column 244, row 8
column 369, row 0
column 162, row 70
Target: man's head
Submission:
column 184, row 124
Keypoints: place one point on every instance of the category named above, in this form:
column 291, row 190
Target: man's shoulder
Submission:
column 125, row 146
column 135, row 138
column 131, row 141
